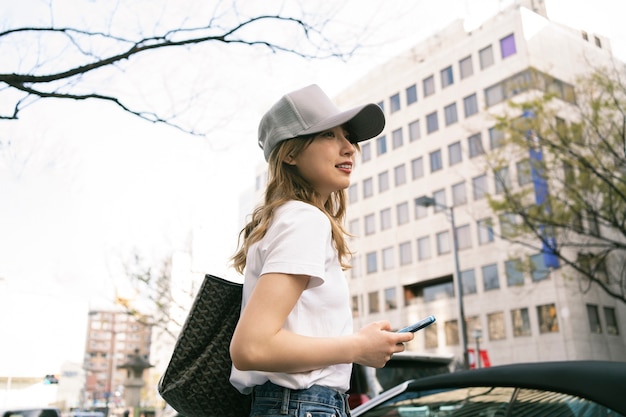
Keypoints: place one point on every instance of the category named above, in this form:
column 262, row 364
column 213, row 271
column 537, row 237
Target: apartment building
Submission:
column 439, row 98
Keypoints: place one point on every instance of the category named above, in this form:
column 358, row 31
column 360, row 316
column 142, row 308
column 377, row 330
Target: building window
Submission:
column 417, row 168
column 463, row 237
column 371, row 262
column 507, row 46
column 495, row 324
column 468, row 281
column 435, row 161
column 440, row 200
column 370, row 224
column 381, row 104
column 388, row 257
column 383, row 181
column 381, row 145
column 479, row 186
column 611, row 321
column 411, row 94
column 491, row 280
column 496, row 138
column 432, row 122
column 485, row 56
column 406, row 257
column 355, row 306
column 429, row 86
column 414, row 131
column 402, row 213
column 368, row 187
column 451, row 328
column 594, row 319
column 423, row 248
column 475, row 144
column 443, row 242
column 459, row 194
column 394, row 103
column 430, row 337
column 385, row 219
column 353, row 227
column 355, row 272
column 494, row 94
column 454, row 153
column 502, row 179
column 521, row 322
column 372, row 299
column 447, row 77
column 420, row 211
column 538, row 269
column 514, row 274
column 366, row 152
column 508, row 224
column 353, row 193
column 548, row 322
column 400, row 175
column 391, row 299
column 485, row 231
column 470, row 105
column 396, row 138
column 524, row 175
column 450, row 114
column 465, row 67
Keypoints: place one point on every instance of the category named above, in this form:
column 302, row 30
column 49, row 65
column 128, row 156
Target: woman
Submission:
column 294, row 346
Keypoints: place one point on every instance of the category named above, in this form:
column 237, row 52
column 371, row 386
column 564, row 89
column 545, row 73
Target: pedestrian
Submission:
column 294, row 345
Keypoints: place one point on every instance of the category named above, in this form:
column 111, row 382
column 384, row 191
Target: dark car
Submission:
column 568, row 389
column 31, row 412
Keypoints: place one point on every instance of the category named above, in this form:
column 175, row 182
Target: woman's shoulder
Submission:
column 302, row 211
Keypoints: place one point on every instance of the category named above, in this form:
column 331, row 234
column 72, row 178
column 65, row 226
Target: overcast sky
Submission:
column 82, row 184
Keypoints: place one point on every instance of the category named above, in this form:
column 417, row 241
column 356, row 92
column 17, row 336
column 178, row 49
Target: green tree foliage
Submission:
column 569, row 193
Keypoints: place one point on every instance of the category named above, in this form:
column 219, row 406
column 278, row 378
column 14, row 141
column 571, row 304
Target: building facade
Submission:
column 439, row 99
column 113, row 337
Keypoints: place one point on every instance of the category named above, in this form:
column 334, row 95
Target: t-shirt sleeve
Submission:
column 297, row 242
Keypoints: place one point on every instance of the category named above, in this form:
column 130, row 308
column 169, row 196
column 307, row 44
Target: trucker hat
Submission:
column 309, row 110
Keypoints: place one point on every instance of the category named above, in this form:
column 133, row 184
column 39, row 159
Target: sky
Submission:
column 84, row 184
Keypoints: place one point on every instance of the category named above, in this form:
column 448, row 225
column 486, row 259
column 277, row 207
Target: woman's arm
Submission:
column 260, row 343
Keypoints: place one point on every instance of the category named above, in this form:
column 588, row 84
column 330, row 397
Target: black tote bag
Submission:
column 196, row 380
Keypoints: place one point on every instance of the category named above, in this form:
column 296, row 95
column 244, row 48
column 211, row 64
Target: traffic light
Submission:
column 50, row 379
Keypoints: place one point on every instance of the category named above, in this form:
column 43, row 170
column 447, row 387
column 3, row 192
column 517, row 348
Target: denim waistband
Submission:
column 315, row 394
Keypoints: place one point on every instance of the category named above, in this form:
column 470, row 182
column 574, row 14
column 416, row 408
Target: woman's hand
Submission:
column 377, row 343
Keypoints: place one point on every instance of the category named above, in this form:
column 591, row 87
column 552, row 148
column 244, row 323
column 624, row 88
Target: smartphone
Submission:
column 419, row 325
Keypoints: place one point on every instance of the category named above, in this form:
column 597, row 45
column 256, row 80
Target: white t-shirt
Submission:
column 299, row 241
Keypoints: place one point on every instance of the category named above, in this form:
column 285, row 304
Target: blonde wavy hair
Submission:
column 285, row 184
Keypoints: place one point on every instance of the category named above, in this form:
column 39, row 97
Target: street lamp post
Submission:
column 477, row 333
column 426, row 201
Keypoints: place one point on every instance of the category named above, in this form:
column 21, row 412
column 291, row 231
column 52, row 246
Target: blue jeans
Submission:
column 271, row 400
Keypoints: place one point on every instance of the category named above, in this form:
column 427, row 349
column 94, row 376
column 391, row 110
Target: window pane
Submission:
column 485, row 231
column 420, row 211
column 366, row 151
column 502, row 180
column 370, row 224
column 353, row 227
column 452, row 332
column 454, row 153
column 507, row 46
column 394, row 103
column 479, row 186
column 400, row 174
column 470, row 105
column 495, row 322
column 432, row 122
column 368, row 187
column 435, row 161
column 406, row 256
column 465, row 67
column 391, row 299
column 353, row 193
column 611, row 321
column 371, row 262
column 411, row 94
column 402, row 213
column 417, row 168
column 423, row 248
column 396, row 138
column 381, row 145
column 450, row 114
column 524, row 175
column 539, row 270
column 494, row 95
column 594, row 319
column 372, row 299
column 447, row 78
column 459, row 194
column 521, row 322
column 440, row 200
column 383, row 181
column 496, row 138
column 475, row 144
column 514, row 275
column 430, row 337
column 548, row 322
column 414, row 130
column 429, row 86
column 385, row 219
column 486, row 57
column 490, row 277
column 463, row 237
column 443, row 242
column 468, row 281
column 388, row 258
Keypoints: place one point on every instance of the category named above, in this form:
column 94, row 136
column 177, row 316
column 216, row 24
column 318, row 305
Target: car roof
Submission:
column 601, row 381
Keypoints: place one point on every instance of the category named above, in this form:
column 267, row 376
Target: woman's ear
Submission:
column 289, row 160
